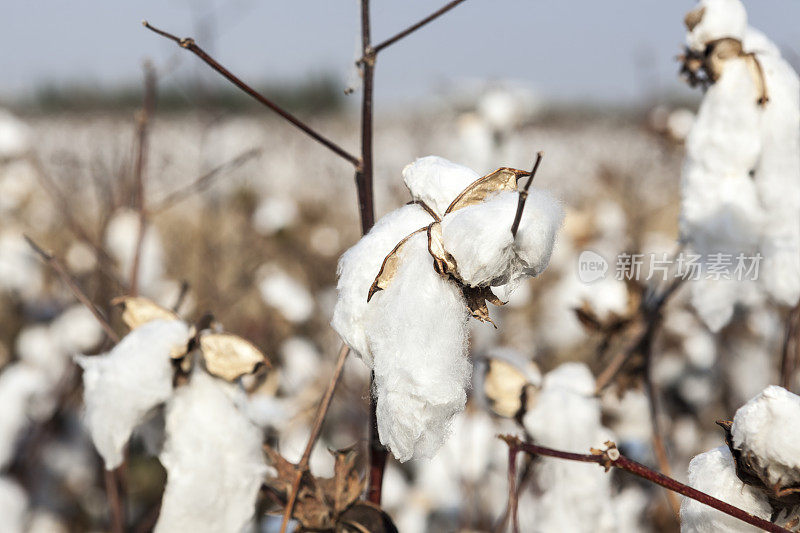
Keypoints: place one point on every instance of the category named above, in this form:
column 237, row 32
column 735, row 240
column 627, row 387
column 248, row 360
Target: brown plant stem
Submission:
column 113, row 483
column 414, row 27
column 523, row 194
column 623, row 463
column 790, row 353
column 67, row 278
column 322, row 410
column 512, row 488
column 189, row 44
column 142, row 131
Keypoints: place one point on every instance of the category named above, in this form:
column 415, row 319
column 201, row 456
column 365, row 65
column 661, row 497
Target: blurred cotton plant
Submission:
column 408, row 287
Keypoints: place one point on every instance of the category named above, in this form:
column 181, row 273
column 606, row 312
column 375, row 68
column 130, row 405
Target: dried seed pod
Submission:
column 229, row 356
column 389, row 267
column 502, row 179
column 503, row 386
column 137, row 310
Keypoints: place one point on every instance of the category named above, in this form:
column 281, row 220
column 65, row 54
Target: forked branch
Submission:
column 189, row 44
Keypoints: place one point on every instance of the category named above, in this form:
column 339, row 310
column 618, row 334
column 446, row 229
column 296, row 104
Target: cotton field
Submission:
column 494, row 312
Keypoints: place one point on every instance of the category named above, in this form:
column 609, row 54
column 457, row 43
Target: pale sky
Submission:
column 608, row 50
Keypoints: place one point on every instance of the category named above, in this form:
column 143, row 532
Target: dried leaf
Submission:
column 320, row 502
column 365, row 517
column 693, row 18
column 503, row 386
column 389, row 267
column 476, row 298
column 502, row 179
column 229, row 356
column 587, row 317
column 443, row 262
column 137, row 310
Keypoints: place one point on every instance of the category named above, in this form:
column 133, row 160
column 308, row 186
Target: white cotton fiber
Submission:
column 15, row 136
column 213, row 457
column 20, row 384
column 714, row 473
column 417, row 334
column 283, row 292
column 122, row 237
column 768, row 427
column 274, row 214
column 721, row 19
column 566, row 416
column 358, row 268
column 479, row 238
column 13, row 506
column 123, row 385
column 437, row 181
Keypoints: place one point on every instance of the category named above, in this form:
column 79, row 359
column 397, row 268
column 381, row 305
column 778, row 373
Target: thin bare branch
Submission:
column 322, row 410
column 112, row 480
column 142, row 127
column 523, row 194
column 67, row 278
column 414, row 27
column 204, row 181
column 189, row 44
column 612, row 458
column 512, row 488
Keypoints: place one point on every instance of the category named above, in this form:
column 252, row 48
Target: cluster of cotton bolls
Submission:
column 413, row 333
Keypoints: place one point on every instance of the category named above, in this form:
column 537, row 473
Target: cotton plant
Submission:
column 758, row 470
column 212, row 450
column 740, row 191
column 408, row 287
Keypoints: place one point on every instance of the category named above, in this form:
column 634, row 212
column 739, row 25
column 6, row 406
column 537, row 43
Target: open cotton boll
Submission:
column 13, row 506
column 76, row 330
column 417, row 334
column 286, row 294
column 300, row 363
column 122, row 236
column 274, row 214
column 213, row 457
column 20, row 269
column 721, row 18
column 122, row 386
column 479, row 239
column 20, row 384
column 538, row 227
column 756, row 42
column 358, row 267
column 767, row 427
column 37, row 347
column 566, row 416
column 714, row 473
column 437, row 181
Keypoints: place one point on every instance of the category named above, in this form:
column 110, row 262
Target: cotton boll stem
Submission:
column 523, row 195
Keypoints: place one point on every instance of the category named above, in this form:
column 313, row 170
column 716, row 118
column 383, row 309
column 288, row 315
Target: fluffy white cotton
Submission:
column 721, row 18
column 213, row 457
column 20, row 269
column 358, row 267
column 417, row 335
column 122, row 236
column 13, row 506
column 274, row 214
column 714, row 473
column 437, row 181
column 300, row 363
column 768, row 427
column 479, row 238
column 566, row 416
column 123, row 385
column 76, row 330
column 285, row 293
column 679, row 123
column 20, row 385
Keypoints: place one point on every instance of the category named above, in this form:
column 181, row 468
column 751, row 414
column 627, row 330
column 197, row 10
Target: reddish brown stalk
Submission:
column 523, row 194
column 612, row 458
column 67, row 278
column 113, row 483
column 142, row 130
column 414, row 27
column 512, row 488
column 322, row 410
column 189, row 44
